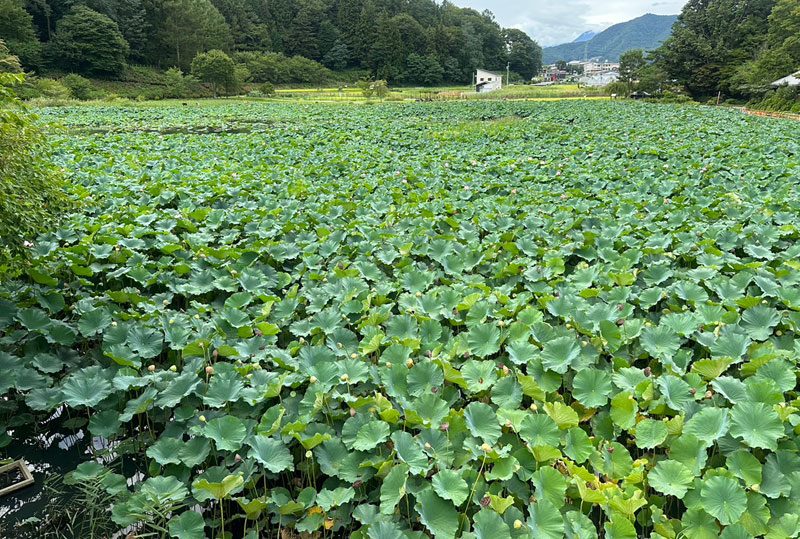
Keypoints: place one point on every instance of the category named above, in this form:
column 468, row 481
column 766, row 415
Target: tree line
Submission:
column 402, row 41
column 730, row 49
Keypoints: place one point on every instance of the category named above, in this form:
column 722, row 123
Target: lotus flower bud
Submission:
column 237, row 457
column 709, row 394
column 388, row 365
column 309, row 454
column 486, row 501
column 755, row 488
column 302, row 340
column 409, row 363
column 344, row 378
column 313, row 380
column 444, row 427
column 353, row 355
column 151, row 368
column 486, row 448
column 352, row 412
column 427, row 445
column 215, row 353
column 209, row 370
column 517, row 524
column 173, row 368
column 534, row 407
column 202, row 419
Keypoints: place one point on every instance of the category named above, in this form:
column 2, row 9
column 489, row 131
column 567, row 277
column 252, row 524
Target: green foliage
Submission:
column 524, row 54
column 16, row 29
column 31, row 193
column 710, row 42
column 88, row 42
column 182, row 29
column 482, row 333
column 176, row 83
column 215, row 67
column 276, row 68
column 79, row 87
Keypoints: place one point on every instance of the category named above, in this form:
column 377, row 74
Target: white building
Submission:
column 486, row 81
column 789, row 80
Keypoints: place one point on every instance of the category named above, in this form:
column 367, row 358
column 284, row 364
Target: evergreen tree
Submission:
column 182, row 28
column 386, row 56
column 303, row 35
column 338, row 57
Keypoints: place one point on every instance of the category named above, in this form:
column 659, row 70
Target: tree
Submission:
column 216, row 68
column 425, row 70
column 711, row 40
column 782, row 53
column 524, row 54
column 131, row 18
column 16, row 27
column 32, row 194
column 249, row 33
column 631, row 64
column 385, row 56
column 337, row 57
column 88, row 42
column 304, row 32
column 183, row 28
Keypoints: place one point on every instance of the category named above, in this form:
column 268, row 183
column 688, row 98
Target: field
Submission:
column 460, row 319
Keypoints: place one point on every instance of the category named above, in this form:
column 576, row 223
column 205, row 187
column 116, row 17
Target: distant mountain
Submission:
column 646, row 32
column 586, row 36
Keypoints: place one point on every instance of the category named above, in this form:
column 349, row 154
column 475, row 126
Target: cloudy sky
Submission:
column 551, row 22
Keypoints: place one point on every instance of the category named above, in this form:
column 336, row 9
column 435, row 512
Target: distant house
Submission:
column 789, row 80
column 486, row 81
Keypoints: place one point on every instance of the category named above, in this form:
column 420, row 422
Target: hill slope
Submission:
column 646, row 32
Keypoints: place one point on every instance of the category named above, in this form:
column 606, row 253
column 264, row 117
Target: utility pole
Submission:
column 508, row 74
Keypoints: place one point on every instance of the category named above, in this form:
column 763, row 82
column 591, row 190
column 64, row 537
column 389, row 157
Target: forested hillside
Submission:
column 646, row 32
column 415, row 41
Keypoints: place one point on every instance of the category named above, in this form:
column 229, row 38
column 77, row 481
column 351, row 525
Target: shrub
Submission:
column 267, row 89
column 176, row 84
column 369, row 89
column 79, row 87
column 31, row 194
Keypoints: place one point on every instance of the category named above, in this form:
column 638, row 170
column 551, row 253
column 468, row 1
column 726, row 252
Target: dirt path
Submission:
column 768, row 114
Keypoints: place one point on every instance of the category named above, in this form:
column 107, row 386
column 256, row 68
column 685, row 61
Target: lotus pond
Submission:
column 478, row 320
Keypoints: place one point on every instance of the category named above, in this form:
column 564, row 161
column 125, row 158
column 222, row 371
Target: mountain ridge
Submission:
column 586, row 36
column 646, row 32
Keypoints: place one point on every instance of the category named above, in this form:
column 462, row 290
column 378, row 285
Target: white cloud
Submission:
column 551, row 22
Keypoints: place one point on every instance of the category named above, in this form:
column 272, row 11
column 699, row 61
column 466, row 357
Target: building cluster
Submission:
column 586, row 73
